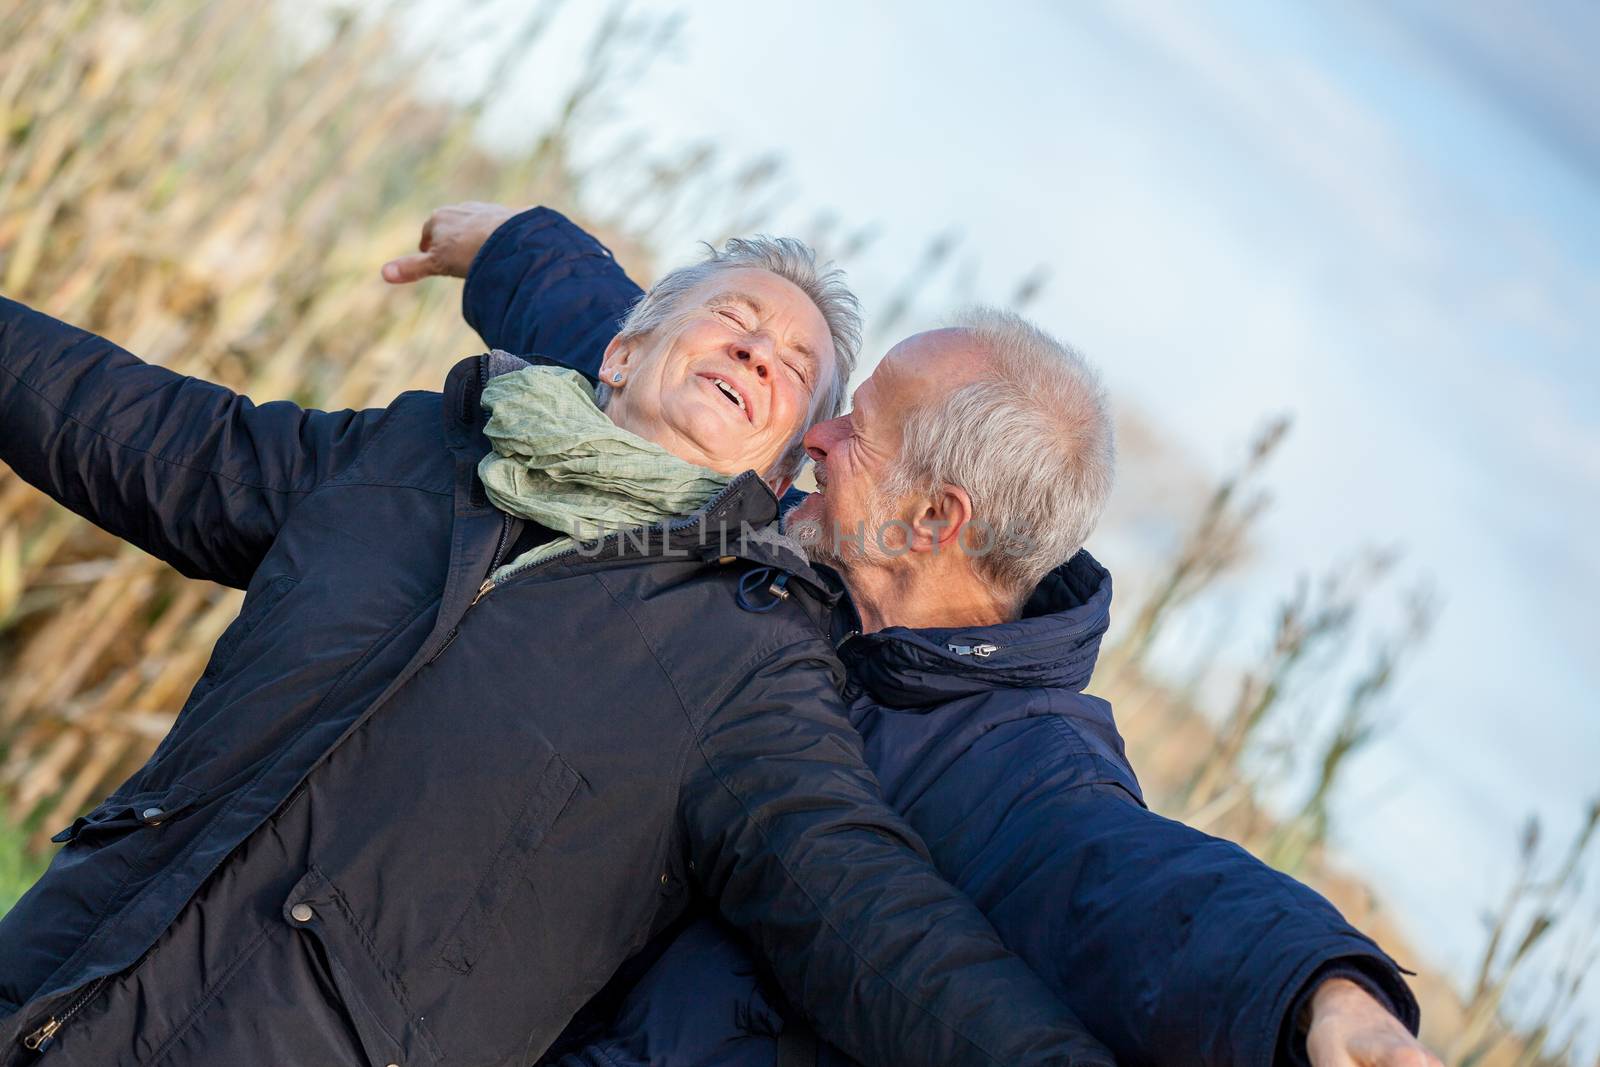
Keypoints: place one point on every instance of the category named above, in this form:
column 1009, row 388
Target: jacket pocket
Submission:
column 374, row 999
column 551, row 786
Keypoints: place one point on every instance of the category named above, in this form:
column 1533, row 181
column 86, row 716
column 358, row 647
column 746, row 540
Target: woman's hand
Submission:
column 450, row 239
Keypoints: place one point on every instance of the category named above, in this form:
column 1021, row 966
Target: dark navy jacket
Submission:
column 405, row 818
column 1173, row 946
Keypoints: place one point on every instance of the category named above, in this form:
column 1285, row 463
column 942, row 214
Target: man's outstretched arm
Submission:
column 191, row 472
column 1171, row 939
column 536, row 283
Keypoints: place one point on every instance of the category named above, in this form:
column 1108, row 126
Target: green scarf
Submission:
column 560, row 461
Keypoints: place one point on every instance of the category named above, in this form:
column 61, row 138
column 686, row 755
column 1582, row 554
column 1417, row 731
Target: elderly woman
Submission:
column 508, row 689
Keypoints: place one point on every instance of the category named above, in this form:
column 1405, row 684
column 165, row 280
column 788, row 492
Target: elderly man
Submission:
column 974, row 461
column 454, row 763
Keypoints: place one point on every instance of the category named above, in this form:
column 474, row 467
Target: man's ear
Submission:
column 943, row 515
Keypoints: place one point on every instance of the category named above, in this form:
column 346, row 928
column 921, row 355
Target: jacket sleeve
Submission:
column 701, row 1004
column 791, row 838
column 1167, row 938
column 540, row 285
column 191, row 472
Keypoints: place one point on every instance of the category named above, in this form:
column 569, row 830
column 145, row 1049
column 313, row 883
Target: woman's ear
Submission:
column 617, row 360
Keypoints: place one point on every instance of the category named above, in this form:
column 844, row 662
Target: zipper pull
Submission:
column 36, row 1041
column 983, row 651
column 483, row 591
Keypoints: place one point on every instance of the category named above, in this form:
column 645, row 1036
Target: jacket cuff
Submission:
column 1379, row 977
column 487, row 252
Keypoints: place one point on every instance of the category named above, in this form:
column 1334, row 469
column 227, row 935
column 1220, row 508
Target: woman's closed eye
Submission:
column 799, row 368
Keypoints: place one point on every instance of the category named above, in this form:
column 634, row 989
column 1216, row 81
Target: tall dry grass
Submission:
column 214, row 187
column 216, row 193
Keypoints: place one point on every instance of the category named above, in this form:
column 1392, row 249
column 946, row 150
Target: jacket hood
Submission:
column 1053, row 646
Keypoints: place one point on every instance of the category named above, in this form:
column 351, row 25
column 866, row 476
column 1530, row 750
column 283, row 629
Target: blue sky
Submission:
column 1383, row 218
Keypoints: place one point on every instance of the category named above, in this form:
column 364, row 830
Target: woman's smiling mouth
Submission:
column 730, row 392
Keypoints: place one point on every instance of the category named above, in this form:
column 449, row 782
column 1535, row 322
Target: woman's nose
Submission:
column 756, row 355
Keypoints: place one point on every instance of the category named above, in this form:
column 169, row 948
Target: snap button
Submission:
column 666, row 879
column 301, row 913
column 152, row 816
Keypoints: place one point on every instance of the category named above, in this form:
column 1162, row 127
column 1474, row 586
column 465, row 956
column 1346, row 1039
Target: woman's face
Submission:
column 729, row 380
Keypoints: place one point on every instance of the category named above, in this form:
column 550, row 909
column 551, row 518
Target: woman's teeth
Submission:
column 730, row 392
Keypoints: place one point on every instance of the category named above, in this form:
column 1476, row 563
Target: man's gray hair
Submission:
column 790, row 259
column 1032, row 444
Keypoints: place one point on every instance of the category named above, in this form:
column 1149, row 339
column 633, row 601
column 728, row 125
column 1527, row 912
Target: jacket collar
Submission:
column 463, row 395
column 1053, row 646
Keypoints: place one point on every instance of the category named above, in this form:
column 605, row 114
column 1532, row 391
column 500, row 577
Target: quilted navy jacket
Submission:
column 1173, row 946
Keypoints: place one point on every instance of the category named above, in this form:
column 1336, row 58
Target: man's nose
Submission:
column 819, row 439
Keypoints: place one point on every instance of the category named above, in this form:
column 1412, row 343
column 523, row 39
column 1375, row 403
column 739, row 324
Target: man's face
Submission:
column 848, row 520
column 728, row 381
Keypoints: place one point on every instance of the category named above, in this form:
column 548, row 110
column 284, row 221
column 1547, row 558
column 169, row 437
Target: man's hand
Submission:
column 1351, row 1029
column 450, row 238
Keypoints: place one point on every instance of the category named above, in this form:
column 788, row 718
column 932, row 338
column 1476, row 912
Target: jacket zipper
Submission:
column 494, row 564
column 40, row 1039
column 597, row 549
column 500, row 545
column 566, row 553
column 499, row 549
column 489, row 584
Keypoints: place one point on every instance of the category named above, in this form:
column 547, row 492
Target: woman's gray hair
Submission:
column 1031, row 443
column 790, row 259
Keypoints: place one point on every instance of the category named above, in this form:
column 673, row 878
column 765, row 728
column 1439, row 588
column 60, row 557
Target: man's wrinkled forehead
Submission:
column 922, row 369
